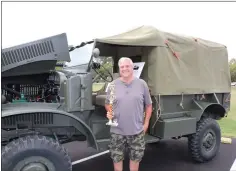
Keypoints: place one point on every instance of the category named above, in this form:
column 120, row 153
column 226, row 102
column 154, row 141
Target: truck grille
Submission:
column 35, row 118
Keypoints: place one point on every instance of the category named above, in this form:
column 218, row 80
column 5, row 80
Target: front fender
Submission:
column 91, row 138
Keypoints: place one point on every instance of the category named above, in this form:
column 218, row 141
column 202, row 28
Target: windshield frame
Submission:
column 86, row 63
column 89, row 66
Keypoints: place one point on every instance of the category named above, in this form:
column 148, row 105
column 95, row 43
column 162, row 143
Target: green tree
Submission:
column 105, row 69
column 232, row 65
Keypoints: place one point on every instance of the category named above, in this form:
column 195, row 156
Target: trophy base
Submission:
column 110, row 123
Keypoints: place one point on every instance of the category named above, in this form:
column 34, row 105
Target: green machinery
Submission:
column 43, row 108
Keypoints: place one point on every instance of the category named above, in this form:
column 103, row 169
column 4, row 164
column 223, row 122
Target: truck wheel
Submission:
column 33, row 153
column 205, row 143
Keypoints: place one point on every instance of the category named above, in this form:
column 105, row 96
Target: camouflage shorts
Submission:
column 135, row 144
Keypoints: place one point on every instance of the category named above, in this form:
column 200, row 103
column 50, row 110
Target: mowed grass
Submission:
column 228, row 124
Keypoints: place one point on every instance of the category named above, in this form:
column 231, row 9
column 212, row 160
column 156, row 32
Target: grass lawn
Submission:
column 228, row 124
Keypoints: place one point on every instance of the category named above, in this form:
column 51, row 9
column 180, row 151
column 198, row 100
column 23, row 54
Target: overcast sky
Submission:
column 28, row 21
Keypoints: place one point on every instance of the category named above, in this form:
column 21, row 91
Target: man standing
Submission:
column 132, row 99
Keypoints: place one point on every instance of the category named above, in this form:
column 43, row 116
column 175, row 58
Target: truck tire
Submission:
column 205, row 143
column 35, row 153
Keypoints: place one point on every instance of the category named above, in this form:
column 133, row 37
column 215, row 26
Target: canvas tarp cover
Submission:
column 199, row 66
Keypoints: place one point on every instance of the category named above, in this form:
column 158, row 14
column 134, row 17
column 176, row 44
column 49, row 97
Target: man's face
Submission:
column 126, row 69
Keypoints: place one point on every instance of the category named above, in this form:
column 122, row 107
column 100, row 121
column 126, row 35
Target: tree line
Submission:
column 232, row 66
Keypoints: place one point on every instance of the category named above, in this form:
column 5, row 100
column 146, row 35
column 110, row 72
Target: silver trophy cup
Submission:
column 111, row 100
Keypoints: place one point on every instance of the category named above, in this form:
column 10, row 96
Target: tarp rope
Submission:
column 158, row 113
column 172, row 50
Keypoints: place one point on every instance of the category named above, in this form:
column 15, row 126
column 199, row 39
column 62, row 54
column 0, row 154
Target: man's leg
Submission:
column 136, row 145
column 118, row 166
column 117, row 149
column 133, row 165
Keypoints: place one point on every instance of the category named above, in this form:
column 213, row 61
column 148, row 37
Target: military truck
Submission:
column 43, row 108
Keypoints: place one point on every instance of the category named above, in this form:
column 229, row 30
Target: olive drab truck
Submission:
column 44, row 107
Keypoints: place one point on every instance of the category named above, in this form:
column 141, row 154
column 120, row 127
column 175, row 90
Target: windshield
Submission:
column 80, row 55
column 80, row 58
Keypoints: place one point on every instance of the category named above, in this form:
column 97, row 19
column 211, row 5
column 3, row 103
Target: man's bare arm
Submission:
column 107, row 107
column 148, row 104
column 148, row 113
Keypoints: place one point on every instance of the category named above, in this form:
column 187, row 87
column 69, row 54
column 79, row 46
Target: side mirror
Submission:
column 96, row 53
